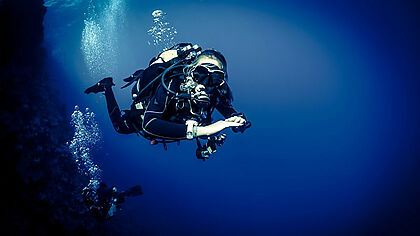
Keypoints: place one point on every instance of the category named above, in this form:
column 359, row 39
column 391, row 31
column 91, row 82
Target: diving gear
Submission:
column 188, row 85
column 189, row 51
column 171, row 59
column 100, row 86
column 203, row 152
column 200, row 97
column 247, row 124
column 104, row 201
column 191, row 130
column 181, row 86
column 208, row 68
column 209, row 75
column 180, row 51
column 210, row 54
column 174, row 66
column 167, row 55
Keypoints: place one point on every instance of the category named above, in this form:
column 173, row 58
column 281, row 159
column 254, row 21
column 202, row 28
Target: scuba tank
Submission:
column 147, row 81
column 186, row 52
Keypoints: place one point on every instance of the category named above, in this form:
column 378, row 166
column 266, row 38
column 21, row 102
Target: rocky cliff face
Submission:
column 40, row 184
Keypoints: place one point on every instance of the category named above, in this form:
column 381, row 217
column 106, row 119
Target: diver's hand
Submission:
column 236, row 119
column 215, row 127
column 240, row 118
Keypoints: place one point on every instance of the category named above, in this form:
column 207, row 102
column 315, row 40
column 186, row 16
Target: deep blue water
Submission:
column 331, row 89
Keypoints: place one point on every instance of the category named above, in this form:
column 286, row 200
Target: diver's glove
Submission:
column 240, row 118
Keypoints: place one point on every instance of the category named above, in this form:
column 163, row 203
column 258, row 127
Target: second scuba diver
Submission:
column 174, row 98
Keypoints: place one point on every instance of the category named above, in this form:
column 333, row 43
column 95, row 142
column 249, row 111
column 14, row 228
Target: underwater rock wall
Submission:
column 40, row 183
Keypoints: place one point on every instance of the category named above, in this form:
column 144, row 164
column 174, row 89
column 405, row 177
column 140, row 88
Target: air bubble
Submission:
column 86, row 137
column 162, row 33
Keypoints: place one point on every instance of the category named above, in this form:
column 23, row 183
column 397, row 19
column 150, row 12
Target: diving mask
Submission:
column 209, row 75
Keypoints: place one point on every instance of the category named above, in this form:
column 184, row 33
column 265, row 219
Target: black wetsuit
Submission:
column 165, row 115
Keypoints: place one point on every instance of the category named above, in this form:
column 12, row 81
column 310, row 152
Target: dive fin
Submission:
column 100, row 86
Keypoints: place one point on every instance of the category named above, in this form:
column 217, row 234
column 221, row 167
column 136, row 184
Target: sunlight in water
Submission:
column 99, row 42
column 62, row 3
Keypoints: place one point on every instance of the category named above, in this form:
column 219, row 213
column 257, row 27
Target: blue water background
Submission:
column 331, row 89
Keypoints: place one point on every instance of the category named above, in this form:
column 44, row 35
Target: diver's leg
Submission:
column 117, row 119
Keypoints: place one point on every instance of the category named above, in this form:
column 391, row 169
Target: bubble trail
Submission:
column 162, row 33
column 86, row 136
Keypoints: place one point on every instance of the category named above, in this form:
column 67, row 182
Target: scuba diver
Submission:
column 103, row 202
column 174, row 98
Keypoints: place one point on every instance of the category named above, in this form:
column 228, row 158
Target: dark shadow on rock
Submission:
column 41, row 187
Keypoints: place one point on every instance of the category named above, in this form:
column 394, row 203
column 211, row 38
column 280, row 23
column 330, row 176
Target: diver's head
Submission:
column 212, row 56
column 209, row 69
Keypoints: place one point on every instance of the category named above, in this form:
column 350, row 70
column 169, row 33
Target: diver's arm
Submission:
column 164, row 129
column 153, row 123
column 215, row 127
column 225, row 108
column 170, row 130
